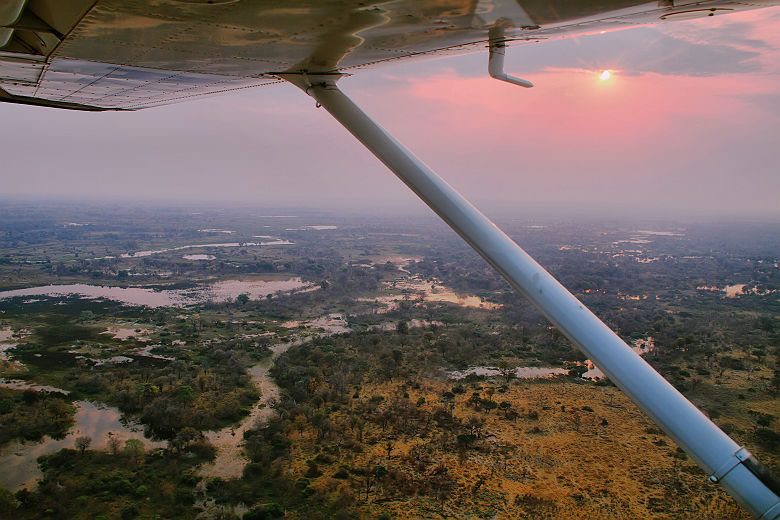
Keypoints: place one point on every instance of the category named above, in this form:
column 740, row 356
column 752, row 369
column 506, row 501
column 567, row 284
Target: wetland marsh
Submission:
column 361, row 367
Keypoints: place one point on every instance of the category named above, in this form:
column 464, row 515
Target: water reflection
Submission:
column 519, row 372
column 230, row 460
column 415, row 289
column 141, row 254
column 124, row 333
column 640, row 346
column 434, row 291
column 412, row 324
column 330, row 324
column 313, row 228
column 7, row 364
column 19, row 461
column 739, row 289
column 18, row 384
column 255, row 288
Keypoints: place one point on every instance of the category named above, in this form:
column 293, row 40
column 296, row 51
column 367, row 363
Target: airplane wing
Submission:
column 131, row 54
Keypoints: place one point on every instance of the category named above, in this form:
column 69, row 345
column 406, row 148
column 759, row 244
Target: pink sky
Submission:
column 688, row 124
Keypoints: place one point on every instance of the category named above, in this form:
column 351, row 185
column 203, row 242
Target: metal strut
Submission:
column 712, row 449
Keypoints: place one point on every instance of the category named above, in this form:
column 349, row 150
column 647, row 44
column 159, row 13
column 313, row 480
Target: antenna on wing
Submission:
column 496, row 59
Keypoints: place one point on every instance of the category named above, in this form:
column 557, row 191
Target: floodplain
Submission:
column 330, row 366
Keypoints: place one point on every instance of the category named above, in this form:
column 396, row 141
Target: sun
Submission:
column 605, row 75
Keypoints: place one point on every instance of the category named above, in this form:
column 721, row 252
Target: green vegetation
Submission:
column 366, row 423
column 363, row 426
column 127, row 484
column 29, row 415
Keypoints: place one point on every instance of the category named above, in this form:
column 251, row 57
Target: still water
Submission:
column 230, row 460
column 141, row 254
column 519, row 372
column 19, row 460
column 256, row 287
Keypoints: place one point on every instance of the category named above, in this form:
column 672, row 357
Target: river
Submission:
column 230, row 460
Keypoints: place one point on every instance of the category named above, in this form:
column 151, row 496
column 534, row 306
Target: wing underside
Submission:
column 130, row 54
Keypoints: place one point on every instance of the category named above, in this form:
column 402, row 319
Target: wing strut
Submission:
column 722, row 458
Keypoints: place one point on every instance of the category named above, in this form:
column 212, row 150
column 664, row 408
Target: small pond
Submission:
column 19, row 460
column 255, row 288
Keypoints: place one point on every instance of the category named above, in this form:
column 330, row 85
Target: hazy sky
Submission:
column 688, row 124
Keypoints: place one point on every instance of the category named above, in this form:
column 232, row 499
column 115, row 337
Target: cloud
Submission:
column 741, row 43
column 688, row 123
column 638, row 51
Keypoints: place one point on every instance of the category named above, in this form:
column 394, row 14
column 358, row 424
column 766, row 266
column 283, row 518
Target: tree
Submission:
column 30, row 397
column 134, row 448
column 242, row 298
column 323, row 425
column 113, row 443
column 185, row 394
column 374, row 474
column 7, row 503
column 264, row 512
column 402, row 327
column 388, row 367
column 506, row 372
column 82, row 443
column 475, row 425
column 184, row 438
column 577, row 370
column 489, row 405
column 6, row 405
column 465, row 440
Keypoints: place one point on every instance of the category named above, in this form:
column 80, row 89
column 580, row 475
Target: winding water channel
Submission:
column 99, row 422
column 230, row 460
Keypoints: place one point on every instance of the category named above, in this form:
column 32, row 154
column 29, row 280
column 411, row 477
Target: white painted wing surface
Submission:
column 130, row 54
